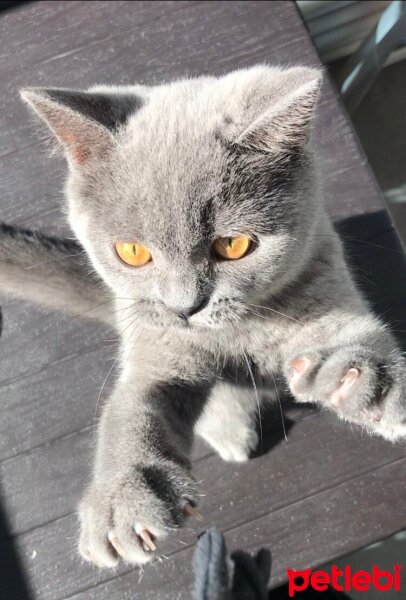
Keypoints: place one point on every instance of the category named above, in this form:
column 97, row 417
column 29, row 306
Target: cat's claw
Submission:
column 116, row 544
column 190, row 511
column 146, row 537
column 346, row 383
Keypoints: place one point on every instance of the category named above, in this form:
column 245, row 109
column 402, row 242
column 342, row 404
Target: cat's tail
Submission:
column 51, row 272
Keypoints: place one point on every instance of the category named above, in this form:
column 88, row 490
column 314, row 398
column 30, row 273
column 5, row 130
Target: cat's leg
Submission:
column 56, row 273
column 142, row 487
column 228, row 421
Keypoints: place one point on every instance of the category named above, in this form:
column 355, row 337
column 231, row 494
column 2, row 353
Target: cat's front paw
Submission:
column 358, row 385
column 126, row 517
column 237, row 448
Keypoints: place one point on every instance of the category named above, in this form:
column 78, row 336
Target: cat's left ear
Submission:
column 286, row 125
column 84, row 123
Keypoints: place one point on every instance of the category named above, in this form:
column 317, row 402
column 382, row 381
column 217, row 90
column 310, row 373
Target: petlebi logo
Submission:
column 344, row 580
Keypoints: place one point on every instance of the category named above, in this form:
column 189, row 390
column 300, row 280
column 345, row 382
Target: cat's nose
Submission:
column 186, row 311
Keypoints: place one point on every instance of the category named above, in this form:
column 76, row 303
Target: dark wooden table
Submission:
column 329, row 489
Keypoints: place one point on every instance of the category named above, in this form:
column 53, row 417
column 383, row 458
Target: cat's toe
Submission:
column 189, row 510
column 301, row 373
column 146, row 537
column 343, row 390
column 130, row 546
column 98, row 551
column 128, row 518
column 105, row 540
column 94, row 544
column 356, row 385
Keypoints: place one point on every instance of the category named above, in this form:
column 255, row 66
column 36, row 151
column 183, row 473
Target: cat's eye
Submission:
column 133, row 253
column 232, row 248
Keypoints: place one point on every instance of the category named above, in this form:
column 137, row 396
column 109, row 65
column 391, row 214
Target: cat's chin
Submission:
column 209, row 323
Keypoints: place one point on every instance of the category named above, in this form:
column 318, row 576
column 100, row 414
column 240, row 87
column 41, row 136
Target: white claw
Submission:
column 145, row 536
column 190, row 511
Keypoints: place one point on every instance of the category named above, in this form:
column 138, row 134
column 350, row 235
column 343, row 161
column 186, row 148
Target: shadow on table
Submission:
column 13, row 583
column 378, row 262
column 5, row 6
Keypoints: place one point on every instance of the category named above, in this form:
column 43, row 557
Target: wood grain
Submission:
column 342, row 517
column 35, row 491
column 316, row 527
column 328, row 490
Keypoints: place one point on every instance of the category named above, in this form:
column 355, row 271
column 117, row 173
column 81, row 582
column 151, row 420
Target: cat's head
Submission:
column 196, row 198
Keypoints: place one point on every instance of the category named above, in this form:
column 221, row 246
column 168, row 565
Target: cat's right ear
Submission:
column 84, row 123
column 279, row 107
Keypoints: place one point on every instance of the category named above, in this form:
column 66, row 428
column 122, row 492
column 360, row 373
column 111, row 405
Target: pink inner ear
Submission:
column 76, row 150
column 82, row 137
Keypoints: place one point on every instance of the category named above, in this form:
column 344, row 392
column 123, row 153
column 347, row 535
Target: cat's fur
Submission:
column 175, row 166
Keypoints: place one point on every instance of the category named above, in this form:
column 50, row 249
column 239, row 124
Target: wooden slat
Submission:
column 165, row 48
column 310, row 513
column 236, row 494
column 307, row 499
column 62, row 45
column 50, row 336
column 34, row 483
column 54, row 402
column 64, row 22
column 324, row 526
column 160, row 60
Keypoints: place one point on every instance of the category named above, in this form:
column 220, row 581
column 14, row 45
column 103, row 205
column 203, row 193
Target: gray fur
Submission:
column 51, row 272
column 191, row 161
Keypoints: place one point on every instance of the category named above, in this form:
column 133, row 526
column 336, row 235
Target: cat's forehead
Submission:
column 177, row 123
column 167, row 152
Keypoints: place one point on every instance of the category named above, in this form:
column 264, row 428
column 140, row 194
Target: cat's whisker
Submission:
column 280, row 406
column 108, row 375
column 129, row 325
column 257, row 314
column 89, row 310
column 256, row 395
column 346, row 238
column 50, row 260
column 277, row 312
column 103, row 386
column 130, row 316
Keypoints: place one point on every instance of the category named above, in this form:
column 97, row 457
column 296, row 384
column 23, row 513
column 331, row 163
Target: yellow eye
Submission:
column 232, row 248
column 133, row 254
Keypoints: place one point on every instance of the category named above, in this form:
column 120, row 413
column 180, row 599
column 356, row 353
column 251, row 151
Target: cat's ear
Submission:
column 286, row 124
column 84, row 123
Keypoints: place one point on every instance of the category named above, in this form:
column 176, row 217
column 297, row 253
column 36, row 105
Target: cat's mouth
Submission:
column 216, row 314
column 219, row 313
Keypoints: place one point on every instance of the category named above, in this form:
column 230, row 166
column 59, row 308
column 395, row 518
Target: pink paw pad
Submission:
column 346, row 384
column 297, row 368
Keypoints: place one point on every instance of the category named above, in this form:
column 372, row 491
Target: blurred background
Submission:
column 363, row 45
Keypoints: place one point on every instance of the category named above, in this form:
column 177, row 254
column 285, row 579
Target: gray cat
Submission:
column 200, row 210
